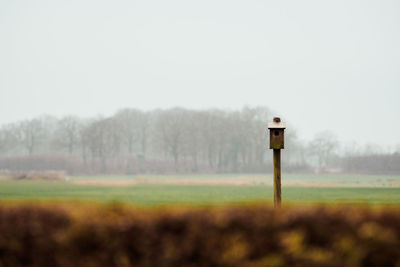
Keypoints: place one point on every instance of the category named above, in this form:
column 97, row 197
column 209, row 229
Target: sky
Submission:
column 320, row 65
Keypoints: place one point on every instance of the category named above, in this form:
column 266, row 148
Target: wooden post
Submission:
column 277, row 142
column 277, row 178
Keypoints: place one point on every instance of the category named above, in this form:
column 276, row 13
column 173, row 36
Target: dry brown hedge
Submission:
column 118, row 235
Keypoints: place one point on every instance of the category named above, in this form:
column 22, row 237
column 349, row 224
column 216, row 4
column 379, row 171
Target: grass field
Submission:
column 208, row 189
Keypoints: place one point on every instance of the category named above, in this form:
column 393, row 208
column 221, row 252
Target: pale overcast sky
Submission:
column 319, row 64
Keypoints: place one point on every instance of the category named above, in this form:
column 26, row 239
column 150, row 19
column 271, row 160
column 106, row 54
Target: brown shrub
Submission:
column 38, row 175
column 116, row 235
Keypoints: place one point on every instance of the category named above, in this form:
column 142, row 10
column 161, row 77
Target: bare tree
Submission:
column 192, row 137
column 208, row 123
column 170, row 129
column 128, row 122
column 222, row 133
column 134, row 125
column 31, row 133
column 103, row 139
column 258, row 134
column 8, row 138
column 324, row 146
column 397, row 149
column 67, row 133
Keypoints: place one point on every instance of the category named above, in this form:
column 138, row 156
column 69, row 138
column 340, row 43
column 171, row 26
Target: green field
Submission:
column 208, row 189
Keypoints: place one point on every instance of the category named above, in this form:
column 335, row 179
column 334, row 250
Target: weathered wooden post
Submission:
column 276, row 142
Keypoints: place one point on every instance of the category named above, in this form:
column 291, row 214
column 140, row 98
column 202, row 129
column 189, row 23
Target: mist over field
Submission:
column 319, row 65
column 177, row 86
column 178, row 141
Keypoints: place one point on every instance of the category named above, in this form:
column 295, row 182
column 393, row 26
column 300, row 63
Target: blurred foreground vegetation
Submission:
column 82, row 234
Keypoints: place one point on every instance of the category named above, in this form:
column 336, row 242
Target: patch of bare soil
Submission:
column 106, row 183
column 53, row 176
column 310, row 184
column 202, row 182
column 162, row 182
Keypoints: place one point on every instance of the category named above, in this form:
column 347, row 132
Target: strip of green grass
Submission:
column 192, row 195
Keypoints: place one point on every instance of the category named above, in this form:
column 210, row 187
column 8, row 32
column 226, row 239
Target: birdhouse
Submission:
column 276, row 133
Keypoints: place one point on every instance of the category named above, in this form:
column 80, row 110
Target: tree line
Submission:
column 160, row 141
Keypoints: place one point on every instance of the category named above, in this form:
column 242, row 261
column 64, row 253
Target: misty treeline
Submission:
column 171, row 141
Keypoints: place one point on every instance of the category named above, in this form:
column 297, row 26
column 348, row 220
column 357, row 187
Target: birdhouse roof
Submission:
column 276, row 125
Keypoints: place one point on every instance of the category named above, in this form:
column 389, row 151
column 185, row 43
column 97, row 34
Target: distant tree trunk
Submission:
column 209, row 157
column 30, row 150
column 144, row 146
column 195, row 163
column 175, row 154
column 130, row 146
column 70, row 148
column 84, row 157
column 220, row 160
